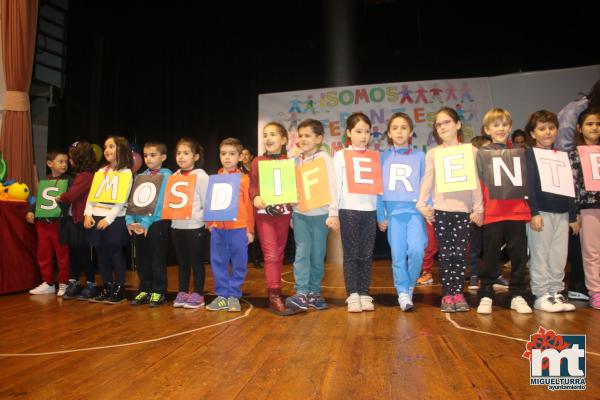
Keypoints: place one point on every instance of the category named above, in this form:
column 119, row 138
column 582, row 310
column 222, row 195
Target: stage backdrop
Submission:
column 521, row 94
column 420, row 100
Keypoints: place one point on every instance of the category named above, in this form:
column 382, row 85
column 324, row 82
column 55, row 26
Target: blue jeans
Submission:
column 226, row 245
column 310, row 234
column 407, row 238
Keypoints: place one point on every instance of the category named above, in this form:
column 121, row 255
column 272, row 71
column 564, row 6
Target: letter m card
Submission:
column 222, row 197
column 110, row 187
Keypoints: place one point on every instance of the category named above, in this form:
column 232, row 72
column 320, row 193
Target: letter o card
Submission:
column 222, row 197
column 179, row 195
column 144, row 194
column 363, row 172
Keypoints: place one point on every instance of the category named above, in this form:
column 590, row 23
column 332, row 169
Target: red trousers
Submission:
column 273, row 234
column 47, row 246
column 431, row 249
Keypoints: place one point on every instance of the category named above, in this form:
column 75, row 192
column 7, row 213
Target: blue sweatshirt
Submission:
column 147, row 220
column 385, row 209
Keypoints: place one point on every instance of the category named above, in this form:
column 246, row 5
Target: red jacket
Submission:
column 495, row 210
column 77, row 195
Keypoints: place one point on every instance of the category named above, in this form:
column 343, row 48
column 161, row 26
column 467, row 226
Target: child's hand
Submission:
column 382, row 225
column 250, row 237
column 333, row 223
column 258, row 203
column 575, row 226
column 132, row 228
column 30, row 217
column 102, row 224
column 476, row 218
column 428, row 213
column 57, row 198
column 537, row 223
column 88, row 222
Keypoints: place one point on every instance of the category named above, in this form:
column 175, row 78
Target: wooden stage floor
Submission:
column 56, row 349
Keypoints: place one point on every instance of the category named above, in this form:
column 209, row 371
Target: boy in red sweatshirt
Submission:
column 504, row 221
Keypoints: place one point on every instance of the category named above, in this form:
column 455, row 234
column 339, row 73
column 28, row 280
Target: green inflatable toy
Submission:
column 2, row 168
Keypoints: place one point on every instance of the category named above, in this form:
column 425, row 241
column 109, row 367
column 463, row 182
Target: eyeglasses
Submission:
column 438, row 125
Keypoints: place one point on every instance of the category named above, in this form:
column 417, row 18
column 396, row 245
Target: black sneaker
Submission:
column 141, row 298
column 88, row 292
column 118, row 294
column 104, row 294
column 73, row 290
column 157, row 299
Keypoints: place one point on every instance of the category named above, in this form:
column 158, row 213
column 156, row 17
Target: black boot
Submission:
column 73, row 290
column 104, row 294
column 118, row 294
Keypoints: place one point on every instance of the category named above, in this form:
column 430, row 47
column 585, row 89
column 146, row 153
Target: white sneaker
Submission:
column 353, row 302
column 62, row 288
column 485, row 306
column 405, row 302
column 44, row 288
column 366, row 303
column 566, row 306
column 519, row 304
column 547, row 303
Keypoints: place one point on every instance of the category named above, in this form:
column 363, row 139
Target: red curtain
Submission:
column 18, row 21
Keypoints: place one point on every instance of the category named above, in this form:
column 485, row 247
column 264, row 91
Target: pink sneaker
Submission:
column 595, row 300
column 448, row 304
column 460, row 303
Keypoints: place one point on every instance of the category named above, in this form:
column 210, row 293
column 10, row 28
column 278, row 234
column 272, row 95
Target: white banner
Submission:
column 471, row 98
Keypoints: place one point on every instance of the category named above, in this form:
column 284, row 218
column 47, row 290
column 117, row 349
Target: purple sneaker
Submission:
column 180, row 300
column 195, row 300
